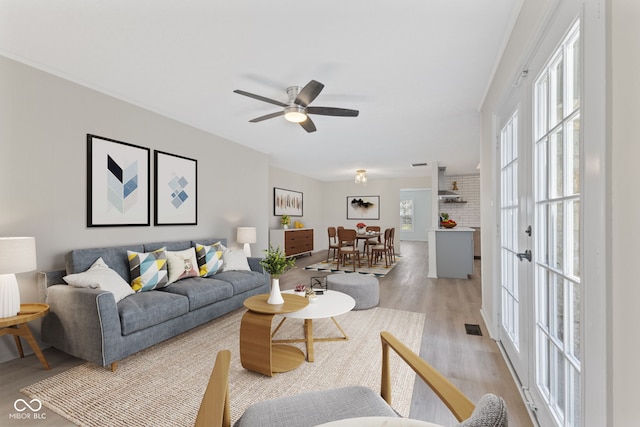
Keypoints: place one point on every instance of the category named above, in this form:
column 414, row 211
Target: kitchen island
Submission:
column 453, row 250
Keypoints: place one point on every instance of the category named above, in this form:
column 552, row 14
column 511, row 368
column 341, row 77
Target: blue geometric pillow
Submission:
column 209, row 258
column 148, row 270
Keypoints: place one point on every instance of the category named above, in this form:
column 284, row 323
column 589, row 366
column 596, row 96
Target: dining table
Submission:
column 367, row 236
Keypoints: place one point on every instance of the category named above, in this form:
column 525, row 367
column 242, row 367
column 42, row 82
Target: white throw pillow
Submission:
column 182, row 264
column 235, row 259
column 100, row 276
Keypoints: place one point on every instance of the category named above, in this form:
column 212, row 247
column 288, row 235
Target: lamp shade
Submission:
column 17, row 254
column 246, row 235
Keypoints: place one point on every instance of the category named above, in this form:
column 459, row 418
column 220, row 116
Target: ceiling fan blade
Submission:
column 260, row 98
column 330, row 111
column 308, row 125
column 266, row 117
column 309, row 93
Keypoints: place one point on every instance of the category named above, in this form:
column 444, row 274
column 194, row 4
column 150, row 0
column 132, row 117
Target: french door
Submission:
column 539, row 145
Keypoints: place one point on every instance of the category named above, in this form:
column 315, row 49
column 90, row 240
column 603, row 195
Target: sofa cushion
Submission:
column 170, row 246
column 209, row 258
column 148, row 270
column 182, row 264
column 242, row 281
column 100, row 276
column 145, row 309
column 235, row 260
column 201, row 291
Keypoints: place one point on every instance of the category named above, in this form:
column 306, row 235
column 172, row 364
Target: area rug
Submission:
column 164, row 384
column 378, row 270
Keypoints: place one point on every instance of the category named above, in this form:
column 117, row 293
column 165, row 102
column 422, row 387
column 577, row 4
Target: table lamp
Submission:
column 246, row 235
column 17, row 255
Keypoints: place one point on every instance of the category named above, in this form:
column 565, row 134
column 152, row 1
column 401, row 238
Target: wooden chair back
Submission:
column 459, row 404
column 346, row 235
column 215, row 409
column 333, row 235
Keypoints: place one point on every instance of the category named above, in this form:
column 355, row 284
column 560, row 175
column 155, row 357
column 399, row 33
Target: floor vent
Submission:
column 473, row 329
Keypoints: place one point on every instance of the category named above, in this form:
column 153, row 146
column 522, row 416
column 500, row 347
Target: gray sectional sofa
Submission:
column 87, row 323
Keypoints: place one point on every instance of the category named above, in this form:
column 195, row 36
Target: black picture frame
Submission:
column 287, row 202
column 363, row 207
column 176, row 189
column 118, row 177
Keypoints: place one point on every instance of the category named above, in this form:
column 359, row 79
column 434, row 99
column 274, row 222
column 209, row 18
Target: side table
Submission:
column 17, row 326
column 257, row 352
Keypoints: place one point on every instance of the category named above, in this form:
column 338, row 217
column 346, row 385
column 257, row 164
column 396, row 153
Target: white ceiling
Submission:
column 417, row 70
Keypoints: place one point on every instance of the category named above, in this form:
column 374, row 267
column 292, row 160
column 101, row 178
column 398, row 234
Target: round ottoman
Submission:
column 364, row 289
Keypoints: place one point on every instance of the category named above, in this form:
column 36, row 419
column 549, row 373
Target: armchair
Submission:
column 319, row 407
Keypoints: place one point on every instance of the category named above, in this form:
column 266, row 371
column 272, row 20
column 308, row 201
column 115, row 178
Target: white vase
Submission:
column 275, row 297
column 285, row 226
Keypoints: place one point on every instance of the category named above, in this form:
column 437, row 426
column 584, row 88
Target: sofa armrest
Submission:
column 254, row 264
column 83, row 322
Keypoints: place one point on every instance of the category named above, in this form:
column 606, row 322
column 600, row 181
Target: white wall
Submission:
column 625, row 210
column 43, row 125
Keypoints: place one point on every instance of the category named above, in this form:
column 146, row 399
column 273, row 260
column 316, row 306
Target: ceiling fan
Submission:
column 297, row 109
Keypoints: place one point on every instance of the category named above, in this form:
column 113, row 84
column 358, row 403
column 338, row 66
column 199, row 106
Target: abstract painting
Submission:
column 363, row 207
column 287, row 202
column 118, row 177
column 176, row 192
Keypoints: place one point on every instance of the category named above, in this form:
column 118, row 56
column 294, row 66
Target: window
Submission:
column 406, row 215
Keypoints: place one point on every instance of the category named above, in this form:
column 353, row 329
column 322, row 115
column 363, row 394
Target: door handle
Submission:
column 524, row 255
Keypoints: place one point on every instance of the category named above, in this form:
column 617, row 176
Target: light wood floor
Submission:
column 473, row 363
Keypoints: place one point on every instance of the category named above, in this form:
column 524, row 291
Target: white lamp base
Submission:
column 247, row 250
column 9, row 295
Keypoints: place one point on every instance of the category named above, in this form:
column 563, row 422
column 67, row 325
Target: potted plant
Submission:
column 276, row 264
column 284, row 221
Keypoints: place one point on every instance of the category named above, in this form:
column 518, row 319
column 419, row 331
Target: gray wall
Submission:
column 43, row 125
column 421, row 214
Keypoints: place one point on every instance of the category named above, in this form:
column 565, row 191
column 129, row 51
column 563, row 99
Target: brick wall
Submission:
column 465, row 214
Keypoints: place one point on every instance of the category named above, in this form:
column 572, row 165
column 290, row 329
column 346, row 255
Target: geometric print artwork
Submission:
column 122, row 183
column 178, row 195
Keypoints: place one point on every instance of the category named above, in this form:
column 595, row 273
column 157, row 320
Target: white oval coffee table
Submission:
column 331, row 304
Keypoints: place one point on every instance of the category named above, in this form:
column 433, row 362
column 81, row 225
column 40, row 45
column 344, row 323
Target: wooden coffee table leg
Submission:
column 308, row 334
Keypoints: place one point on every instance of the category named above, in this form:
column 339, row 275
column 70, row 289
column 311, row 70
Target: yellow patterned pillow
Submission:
column 209, row 258
column 148, row 270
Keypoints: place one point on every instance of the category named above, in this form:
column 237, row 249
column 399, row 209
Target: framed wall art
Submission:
column 118, row 178
column 287, row 202
column 363, row 207
column 176, row 189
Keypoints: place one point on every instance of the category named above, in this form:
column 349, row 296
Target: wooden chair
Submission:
column 381, row 249
column 392, row 245
column 319, row 407
column 348, row 247
column 371, row 242
column 215, row 409
column 333, row 242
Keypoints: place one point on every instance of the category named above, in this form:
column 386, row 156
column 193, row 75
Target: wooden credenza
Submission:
column 293, row 241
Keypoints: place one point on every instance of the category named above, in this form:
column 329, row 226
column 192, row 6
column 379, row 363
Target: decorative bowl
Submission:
column 449, row 224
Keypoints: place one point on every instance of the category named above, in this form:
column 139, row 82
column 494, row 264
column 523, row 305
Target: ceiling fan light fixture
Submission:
column 295, row 114
column 361, row 176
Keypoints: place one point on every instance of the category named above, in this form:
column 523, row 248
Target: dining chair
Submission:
column 348, row 247
column 371, row 242
column 381, row 249
column 392, row 245
column 319, row 407
column 333, row 242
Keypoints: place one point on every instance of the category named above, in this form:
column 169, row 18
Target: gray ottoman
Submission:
column 364, row 289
